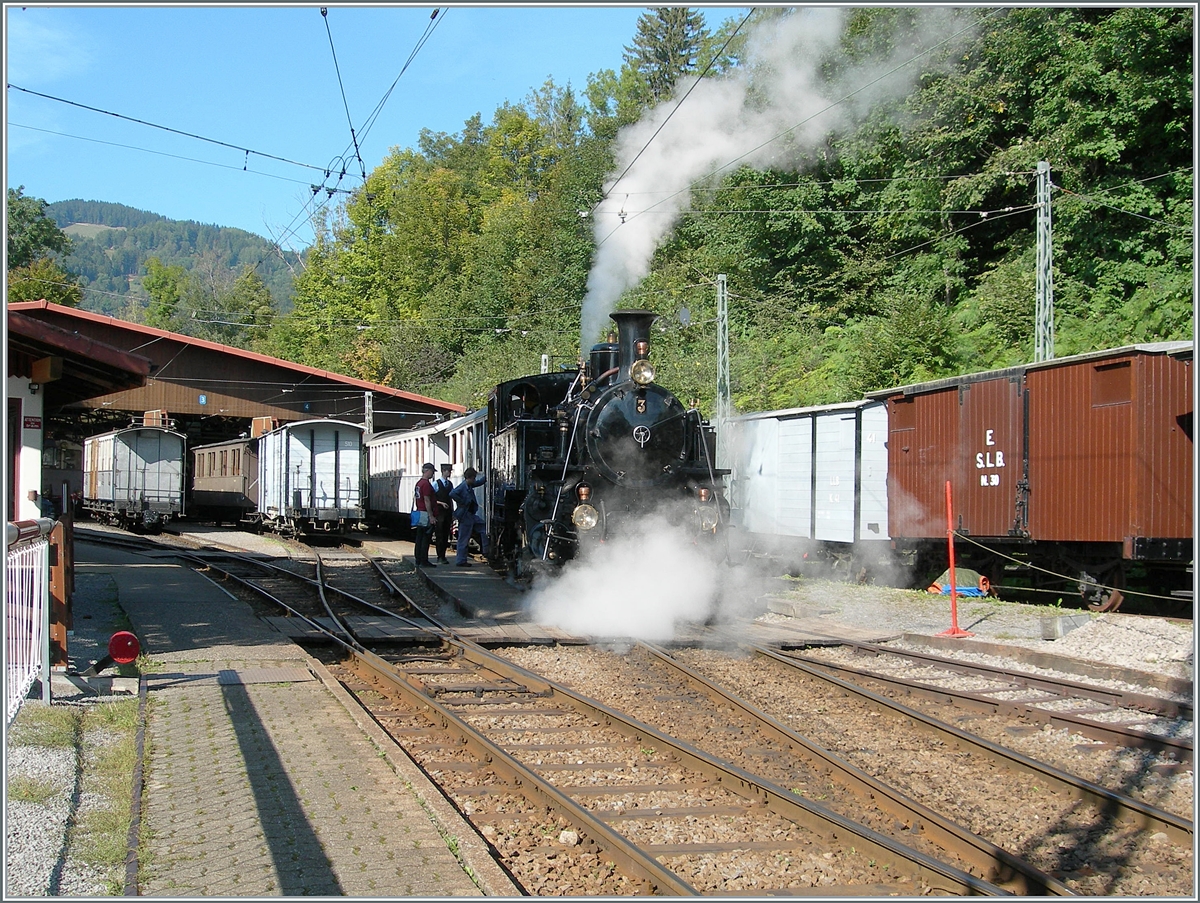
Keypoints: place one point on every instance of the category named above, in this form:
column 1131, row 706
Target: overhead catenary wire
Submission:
column 147, row 150
column 245, row 150
column 342, row 87
column 434, row 21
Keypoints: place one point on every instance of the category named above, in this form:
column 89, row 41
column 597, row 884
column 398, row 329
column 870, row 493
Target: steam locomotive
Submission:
column 579, row 458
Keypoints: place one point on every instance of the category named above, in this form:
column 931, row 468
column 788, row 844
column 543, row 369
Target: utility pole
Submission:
column 724, row 405
column 1043, row 335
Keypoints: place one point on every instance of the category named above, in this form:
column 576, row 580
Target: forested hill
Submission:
column 111, row 243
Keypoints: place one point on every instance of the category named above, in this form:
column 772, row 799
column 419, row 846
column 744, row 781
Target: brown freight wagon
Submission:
column 1067, row 471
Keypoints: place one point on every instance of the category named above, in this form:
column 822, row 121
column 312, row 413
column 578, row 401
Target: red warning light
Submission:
column 123, row 647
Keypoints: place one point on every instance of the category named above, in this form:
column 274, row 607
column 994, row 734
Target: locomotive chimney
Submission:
column 633, row 327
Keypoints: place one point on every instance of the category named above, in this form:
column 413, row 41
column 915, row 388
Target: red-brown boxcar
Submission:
column 1076, row 467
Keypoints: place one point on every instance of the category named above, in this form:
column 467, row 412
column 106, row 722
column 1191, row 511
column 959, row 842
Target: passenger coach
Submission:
column 225, row 480
column 394, row 461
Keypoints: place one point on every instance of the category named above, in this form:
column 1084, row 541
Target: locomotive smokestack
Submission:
column 633, row 326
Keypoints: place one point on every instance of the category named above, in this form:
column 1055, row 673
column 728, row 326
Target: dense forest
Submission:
column 866, row 180
column 113, row 261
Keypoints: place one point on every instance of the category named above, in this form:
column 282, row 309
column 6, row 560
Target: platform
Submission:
column 264, row 778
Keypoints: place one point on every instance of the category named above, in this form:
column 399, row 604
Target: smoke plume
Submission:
column 772, row 111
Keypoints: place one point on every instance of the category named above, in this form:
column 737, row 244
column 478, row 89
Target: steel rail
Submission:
column 632, row 859
column 825, row 822
column 1143, row 702
column 832, row 826
column 997, row 864
column 1116, row 806
column 981, row 701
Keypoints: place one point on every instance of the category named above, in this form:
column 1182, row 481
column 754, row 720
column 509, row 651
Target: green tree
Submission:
column 31, row 234
column 239, row 315
column 166, row 286
column 43, row 279
column 666, row 47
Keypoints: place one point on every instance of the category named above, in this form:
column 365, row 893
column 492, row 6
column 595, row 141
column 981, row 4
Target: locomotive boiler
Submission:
column 579, row 458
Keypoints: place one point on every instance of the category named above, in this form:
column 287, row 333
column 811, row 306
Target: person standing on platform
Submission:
column 466, row 512
column 424, row 504
column 443, row 515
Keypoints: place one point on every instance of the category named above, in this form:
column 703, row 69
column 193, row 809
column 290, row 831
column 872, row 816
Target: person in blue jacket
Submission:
column 466, row 512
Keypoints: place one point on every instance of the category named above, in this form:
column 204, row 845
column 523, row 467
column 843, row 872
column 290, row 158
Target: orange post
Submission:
column 954, row 628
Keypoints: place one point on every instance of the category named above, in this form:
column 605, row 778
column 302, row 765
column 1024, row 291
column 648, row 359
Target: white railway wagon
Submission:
column 394, row 462
column 310, row 478
column 812, row 482
column 134, row 477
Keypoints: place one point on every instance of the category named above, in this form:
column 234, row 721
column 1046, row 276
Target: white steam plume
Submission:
column 640, row 586
column 739, row 118
column 646, row 585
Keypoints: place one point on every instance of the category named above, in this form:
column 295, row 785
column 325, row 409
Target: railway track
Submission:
column 1070, row 829
column 1119, row 717
column 575, row 795
column 465, row 700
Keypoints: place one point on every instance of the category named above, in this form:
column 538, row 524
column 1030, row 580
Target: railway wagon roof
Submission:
column 441, row 426
column 308, row 423
column 1181, row 350
column 787, row 413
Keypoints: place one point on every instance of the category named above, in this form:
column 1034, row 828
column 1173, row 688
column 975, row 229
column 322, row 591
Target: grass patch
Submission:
column 100, row 834
column 30, row 790
column 55, row 727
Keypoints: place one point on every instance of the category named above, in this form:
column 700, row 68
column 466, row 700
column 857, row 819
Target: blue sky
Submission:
column 264, row 79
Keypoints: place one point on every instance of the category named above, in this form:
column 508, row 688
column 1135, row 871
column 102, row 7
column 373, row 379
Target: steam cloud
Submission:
column 645, row 585
column 771, row 111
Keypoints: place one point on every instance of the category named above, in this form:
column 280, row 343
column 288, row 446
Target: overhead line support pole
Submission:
column 1043, row 341
column 724, row 405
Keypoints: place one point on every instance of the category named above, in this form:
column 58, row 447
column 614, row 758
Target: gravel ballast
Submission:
column 40, row 862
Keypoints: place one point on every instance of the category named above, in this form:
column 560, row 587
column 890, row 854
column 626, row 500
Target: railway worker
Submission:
column 425, row 504
column 443, row 515
column 466, row 512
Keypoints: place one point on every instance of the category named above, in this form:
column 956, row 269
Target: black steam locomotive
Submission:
column 580, row 457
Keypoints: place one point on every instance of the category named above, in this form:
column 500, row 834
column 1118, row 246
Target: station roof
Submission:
column 197, row 377
column 86, row 368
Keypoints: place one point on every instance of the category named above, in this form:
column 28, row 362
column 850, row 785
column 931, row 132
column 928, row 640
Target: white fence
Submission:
column 26, row 612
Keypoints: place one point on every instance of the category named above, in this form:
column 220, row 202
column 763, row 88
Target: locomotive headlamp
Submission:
column 642, row 372
column 585, row 517
column 583, row 492
column 708, row 519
